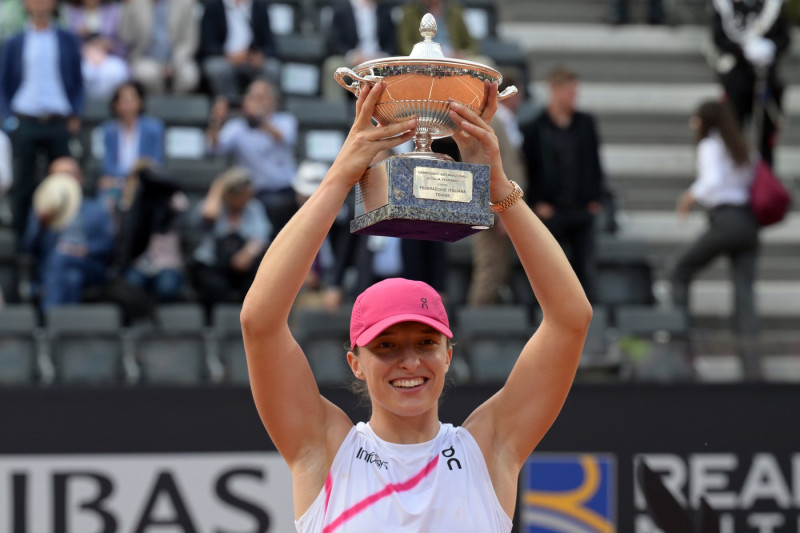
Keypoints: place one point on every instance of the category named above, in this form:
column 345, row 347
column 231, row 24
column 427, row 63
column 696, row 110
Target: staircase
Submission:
column 642, row 83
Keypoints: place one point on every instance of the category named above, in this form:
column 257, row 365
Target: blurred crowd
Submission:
column 131, row 234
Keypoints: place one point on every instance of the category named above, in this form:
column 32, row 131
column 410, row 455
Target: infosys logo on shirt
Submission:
column 372, row 457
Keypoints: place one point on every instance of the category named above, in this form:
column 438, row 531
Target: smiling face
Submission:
column 404, row 368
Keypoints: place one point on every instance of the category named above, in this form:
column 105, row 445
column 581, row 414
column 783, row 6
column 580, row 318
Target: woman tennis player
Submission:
column 404, row 470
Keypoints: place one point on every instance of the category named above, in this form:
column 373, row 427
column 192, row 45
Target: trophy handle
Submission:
column 355, row 86
column 511, row 90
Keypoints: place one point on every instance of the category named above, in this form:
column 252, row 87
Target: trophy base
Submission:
column 423, row 198
column 423, row 224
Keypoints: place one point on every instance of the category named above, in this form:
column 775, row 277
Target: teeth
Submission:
column 408, row 383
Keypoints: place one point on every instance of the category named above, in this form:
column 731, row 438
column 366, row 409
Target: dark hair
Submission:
column 719, row 116
column 136, row 86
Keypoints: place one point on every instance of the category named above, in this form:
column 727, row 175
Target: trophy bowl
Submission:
column 420, row 85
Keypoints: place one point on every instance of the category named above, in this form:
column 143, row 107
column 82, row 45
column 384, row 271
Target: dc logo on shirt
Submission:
column 452, row 462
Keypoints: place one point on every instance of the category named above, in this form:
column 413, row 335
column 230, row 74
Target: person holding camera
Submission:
column 262, row 140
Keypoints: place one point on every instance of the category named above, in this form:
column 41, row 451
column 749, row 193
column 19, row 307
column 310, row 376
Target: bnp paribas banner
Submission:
column 138, row 493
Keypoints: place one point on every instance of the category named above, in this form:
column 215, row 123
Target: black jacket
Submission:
column 343, row 34
column 543, row 179
column 214, row 30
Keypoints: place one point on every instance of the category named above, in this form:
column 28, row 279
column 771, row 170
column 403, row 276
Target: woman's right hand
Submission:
column 365, row 140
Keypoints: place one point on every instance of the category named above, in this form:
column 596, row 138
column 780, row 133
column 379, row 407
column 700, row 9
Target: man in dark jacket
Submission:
column 565, row 178
column 751, row 37
column 236, row 46
column 41, row 98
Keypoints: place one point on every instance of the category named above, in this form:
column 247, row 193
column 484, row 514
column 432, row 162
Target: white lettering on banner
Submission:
column 765, row 522
column 765, row 482
column 755, row 494
column 710, row 481
column 142, row 493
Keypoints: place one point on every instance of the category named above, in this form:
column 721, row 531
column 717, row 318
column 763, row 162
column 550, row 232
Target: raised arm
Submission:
column 299, row 421
column 511, row 423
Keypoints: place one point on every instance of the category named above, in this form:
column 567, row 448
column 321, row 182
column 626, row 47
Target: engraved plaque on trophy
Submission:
column 422, row 194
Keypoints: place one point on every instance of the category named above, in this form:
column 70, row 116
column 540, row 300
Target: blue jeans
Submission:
column 64, row 277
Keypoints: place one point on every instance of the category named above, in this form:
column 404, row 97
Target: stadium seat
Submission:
column 491, row 338
column 173, row 350
column 18, row 344
column 323, row 337
column 322, row 124
column 301, row 57
column 180, row 110
column 656, row 342
column 599, row 360
column 624, row 273
column 195, row 175
column 227, row 330
column 85, row 343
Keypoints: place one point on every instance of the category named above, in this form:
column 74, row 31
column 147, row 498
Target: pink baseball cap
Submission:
column 392, row 301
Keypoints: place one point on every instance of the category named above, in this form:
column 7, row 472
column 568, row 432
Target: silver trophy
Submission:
column 423, row 194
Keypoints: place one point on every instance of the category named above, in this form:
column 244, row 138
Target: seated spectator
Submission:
column 236, row 45
column 360, row 30
column 103, row 54
column 149, row 252
column 452, row 32
column 129, row 136
column 69, row 236
column 235, row 232
column 163, row 42
column 12, row 18
column 262, row 141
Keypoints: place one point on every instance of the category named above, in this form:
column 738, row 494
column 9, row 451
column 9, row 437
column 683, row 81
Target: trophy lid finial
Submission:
column 427, row 27
column 427, row 48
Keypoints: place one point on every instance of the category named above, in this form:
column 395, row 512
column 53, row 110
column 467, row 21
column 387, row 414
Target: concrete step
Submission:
column 714, row 298
column 678, row 161
column 627, row 97
column 622, row 128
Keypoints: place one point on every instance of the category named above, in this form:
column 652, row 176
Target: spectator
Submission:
column 103, row 54
column 163, row 38
column 149, row 251
column 751, row 37
column 618, row 11
column 128, row 137
column 262, row 141
column 12, row 18
column 724, row 174
column 361, row 30
column 452, row 32
column 235, row 232
column 565, row 177
column 70, row 237
column 236, row 45
column 41, row 98
column 491, row 250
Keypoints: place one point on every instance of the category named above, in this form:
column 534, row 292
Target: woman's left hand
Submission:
column 477, row 141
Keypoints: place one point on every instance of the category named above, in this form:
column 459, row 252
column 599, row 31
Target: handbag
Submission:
column 769, row 199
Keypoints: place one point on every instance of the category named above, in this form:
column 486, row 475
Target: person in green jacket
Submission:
column 452, row 33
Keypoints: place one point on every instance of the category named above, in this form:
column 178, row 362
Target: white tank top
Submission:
column 441, row 485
